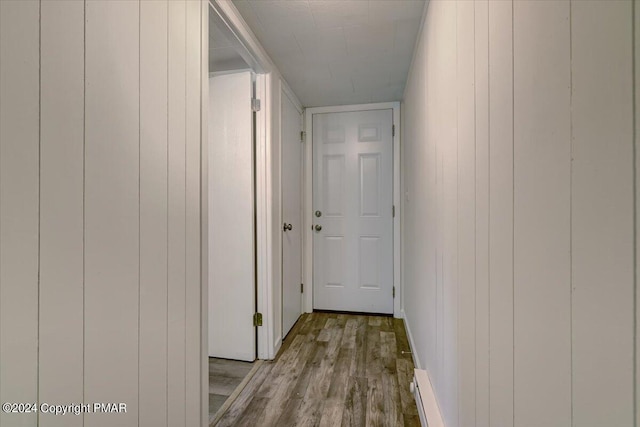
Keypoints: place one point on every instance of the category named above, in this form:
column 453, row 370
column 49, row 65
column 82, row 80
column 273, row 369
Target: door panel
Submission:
column 231, row 218
column 353, row 191
column 291, row 214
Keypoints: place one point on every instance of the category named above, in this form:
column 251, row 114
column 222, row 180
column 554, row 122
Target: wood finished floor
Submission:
column 224, row 376
column 332, row 370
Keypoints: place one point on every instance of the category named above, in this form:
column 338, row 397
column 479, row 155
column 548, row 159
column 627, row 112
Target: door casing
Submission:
column 308, row 198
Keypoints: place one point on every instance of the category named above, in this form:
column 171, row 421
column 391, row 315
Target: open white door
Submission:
column 353, row 211
column 291, row 214
column 231, row 218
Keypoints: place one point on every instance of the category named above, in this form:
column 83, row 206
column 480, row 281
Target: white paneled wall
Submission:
column 100, row 124
column 19, row 205
column 518, row 236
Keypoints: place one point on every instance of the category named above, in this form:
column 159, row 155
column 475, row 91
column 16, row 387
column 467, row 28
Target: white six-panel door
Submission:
column 353, row 219
column 231, row 218
column 291, row 214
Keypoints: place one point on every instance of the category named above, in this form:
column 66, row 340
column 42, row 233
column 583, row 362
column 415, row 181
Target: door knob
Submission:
column 287, row 227
column 318, row 227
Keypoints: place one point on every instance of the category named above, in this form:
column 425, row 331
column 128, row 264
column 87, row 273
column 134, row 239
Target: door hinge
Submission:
column 255, row 104
column 303, row 136
column 394, row 291
column 302, row 288
column 393, row 211
column 257, row 319
column 393, row 130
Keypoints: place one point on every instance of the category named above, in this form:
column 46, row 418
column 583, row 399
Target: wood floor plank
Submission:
column 375, row 403
column 358, row 368
column 281, row 367
column 309, row 413
column 404, row 350
column 349, row 335
column 288, row 381
column 228, row 368
column 392, row 407
column 235, row 411
column 331, row 414
column 339, row 381
column 253, row 415
column 223, row 386
column 312, row 365
column 321, row 378
column 373, row 363
column 386, row 324
column 411, row 420
column 355, row 407
column 388, row 351
column 375, row 320
column 294, row 411
column 334, row 369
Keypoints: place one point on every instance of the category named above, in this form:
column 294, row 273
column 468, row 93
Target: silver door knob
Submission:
column 287, row 227
column 318, row 227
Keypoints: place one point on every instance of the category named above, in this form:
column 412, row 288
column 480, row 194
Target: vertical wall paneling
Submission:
column 204, row 212
column 61, row 207
column 481, row 26
column 192, row 236
column 112, row 208
column 601, row 214
column 423, row 205
column 414, row 298
column 501, row 213
column 153, row 212
column 466, row 213
column 449, row 149
column 636, row 146
column 177, row 210
column 542, row 370
column 19, row 206
column 536, row 163
column 100, row 129
column 435, row 92
column 424, row 340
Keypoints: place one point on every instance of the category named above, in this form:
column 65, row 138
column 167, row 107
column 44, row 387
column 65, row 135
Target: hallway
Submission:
column 333, row 369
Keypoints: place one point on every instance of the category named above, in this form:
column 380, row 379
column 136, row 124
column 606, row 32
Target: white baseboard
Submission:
column 412, row 343
column 428, row 409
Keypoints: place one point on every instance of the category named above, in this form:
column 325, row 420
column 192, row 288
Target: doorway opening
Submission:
column 234, row 229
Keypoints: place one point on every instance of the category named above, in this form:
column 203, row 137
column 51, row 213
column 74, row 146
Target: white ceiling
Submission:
column 336, row 52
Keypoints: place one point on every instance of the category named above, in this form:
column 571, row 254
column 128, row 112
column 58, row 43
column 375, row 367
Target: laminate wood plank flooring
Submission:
column 332, row 370
column 224, row 377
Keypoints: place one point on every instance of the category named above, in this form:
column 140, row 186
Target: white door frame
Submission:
column 308, row 197
column 262, row 66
